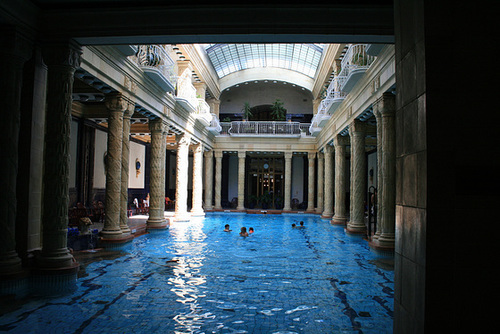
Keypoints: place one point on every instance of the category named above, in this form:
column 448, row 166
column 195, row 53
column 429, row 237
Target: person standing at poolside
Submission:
column 244, row 232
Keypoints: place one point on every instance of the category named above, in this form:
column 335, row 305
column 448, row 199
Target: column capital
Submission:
column 218, row 153
column 117, row 102
column 321, row 155
column 197, row 148
column 242, row 154
column 311, row 155
column 62, row 54
column 15, row 44
column 157, row 125
column 328, row 149
column 339, row 140
column 357, row 127
column 288, row 155
column 208, row 154
column 385, row 105
column 183, row 139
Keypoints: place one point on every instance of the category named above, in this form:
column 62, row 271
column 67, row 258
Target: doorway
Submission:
column 265, row 182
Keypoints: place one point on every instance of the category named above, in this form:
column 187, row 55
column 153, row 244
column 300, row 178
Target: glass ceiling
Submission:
column 229, row 58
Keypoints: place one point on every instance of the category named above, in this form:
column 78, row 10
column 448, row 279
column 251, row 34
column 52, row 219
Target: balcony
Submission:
column 354, row 65
column 334, row 95
column 157, row 65
column 264, row 129
column 186, row 94
column 203, row 112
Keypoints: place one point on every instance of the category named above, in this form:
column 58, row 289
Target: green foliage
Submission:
column 226, row 119
column 278, row 112
column 247, row 111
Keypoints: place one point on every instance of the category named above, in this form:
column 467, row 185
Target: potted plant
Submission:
column 247, row 111
column 278, row 112
column 252, row 201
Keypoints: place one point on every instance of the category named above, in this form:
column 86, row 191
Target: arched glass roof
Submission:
column 229, row 58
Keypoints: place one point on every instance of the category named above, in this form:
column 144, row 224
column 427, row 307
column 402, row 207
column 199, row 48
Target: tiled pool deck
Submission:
column 195, row 278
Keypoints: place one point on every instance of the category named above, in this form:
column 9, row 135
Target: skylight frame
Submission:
column 230, row 58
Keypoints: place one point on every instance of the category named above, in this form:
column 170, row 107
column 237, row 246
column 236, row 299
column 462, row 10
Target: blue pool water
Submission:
column 195, row 278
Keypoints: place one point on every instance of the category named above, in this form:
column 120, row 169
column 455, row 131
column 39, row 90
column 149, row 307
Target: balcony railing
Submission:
column 264, row 129
column 354, row 64
column 157, row 64
column 203, row 112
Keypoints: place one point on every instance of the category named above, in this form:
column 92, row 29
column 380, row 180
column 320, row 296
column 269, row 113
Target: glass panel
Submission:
column 229, row 58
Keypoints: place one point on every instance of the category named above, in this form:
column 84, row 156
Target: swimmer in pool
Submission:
column 226, row 228
column 250, row 230
column 301, row 224
column 293, row 225
column 244, row 232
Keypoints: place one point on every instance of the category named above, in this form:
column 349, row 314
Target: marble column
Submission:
column 209, row 179
column 357, row 133
column 62, row 61
column 321, row 183
column 218, row 179
column 241, row 180
column 156, row 218
column 328, row 209
column 14, row 51
column 116, row 105
column 387, row 197
column 288, row 181
column 181, row 181
column 125, row 170
column 339, row 144
column 197, row 204
column 311, row 156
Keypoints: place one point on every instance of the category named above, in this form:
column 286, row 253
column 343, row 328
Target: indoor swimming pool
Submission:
column 196, row 278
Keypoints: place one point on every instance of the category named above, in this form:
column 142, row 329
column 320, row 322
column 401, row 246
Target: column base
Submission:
column 198, row 213
column 319, row 210
column 115, row 242
column 354, row 228
column 111, row 234
column 10, row 263
column 381, row 247
column 157, row 224
column 55, row 259
column 54, row 281
column 182, row 217
column 339, row 220
column 326, row 215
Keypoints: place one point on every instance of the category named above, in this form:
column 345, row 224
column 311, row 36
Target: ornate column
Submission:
column 125, row 171
column 380, row 208
column 197, row 207
column 181, row 181
column 218, row 179
column 241, row 180
column 340, row 143
column 62, row 61
column 156, row 218
column 209, row 179
column 14, row 51
column 310, row 195
column 357, row 133
column 328, row 209
column 288, row 181
column 116, row 105
column 387, row 197
column 321, row 183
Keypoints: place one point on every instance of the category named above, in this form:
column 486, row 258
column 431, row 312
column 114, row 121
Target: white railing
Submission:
column 355, row 58
column 155, row 57
column 225, row 128
column 264, row 128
